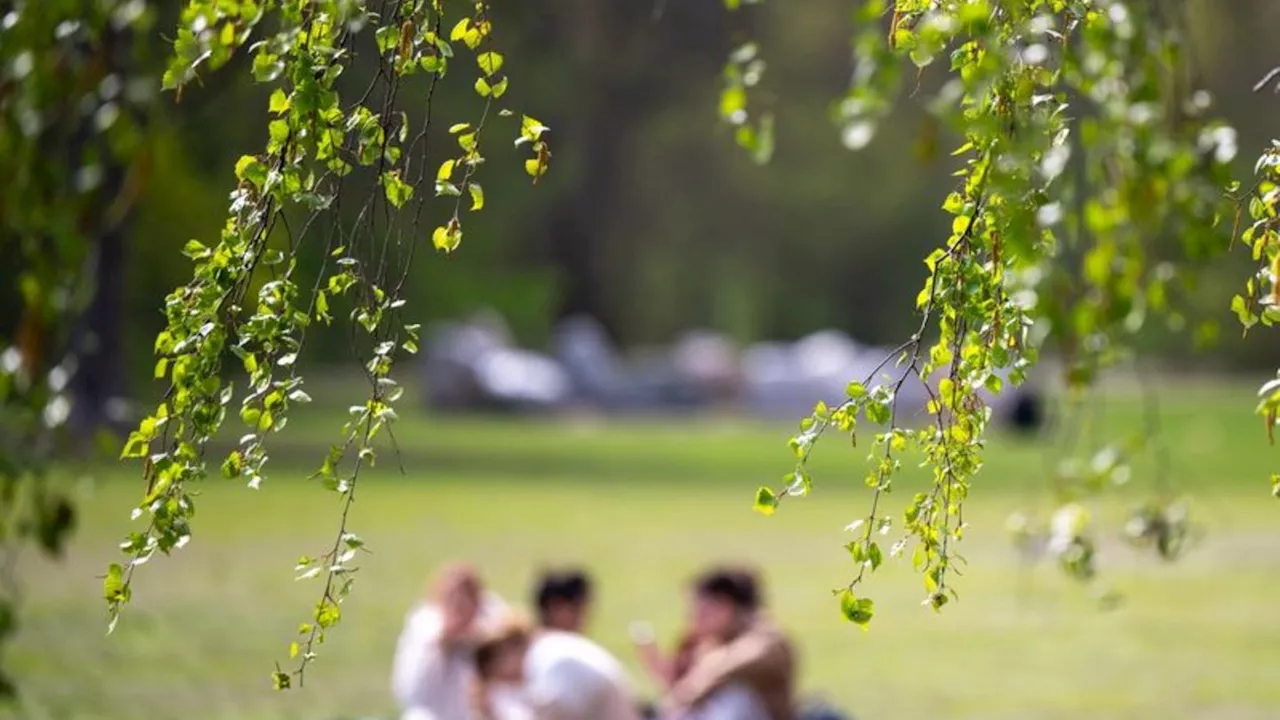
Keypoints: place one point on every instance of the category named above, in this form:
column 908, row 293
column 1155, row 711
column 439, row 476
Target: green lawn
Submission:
column 645, row 504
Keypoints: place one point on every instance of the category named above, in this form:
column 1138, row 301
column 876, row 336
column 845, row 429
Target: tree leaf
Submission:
column 281, row 680
column 279, row 102
column 477, row 196
column 460, row 29
column 766, row 501
column 856, row 610
column 531, row 128
column 398, row 191
column 489, row 62
column 446, row 238
column 251, row 170
column 446, row 170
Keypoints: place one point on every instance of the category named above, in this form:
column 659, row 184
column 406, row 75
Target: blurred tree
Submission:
column 72, row 115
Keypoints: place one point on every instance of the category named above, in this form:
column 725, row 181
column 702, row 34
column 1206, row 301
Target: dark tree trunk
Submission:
column 98, row 346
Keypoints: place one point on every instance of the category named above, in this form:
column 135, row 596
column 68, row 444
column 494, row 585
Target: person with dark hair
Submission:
column 548, row 675
column 744, row 661
column 562, row 599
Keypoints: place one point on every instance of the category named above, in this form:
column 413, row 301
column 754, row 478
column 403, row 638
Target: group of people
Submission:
column 465, row 654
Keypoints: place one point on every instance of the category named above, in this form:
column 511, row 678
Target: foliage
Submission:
column 70, row 119
column 1089, row 188
column 243, row 301
column 1260, row 302
column 1090, row 181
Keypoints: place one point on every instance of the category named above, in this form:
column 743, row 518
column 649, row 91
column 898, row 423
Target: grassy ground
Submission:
column 644, row 504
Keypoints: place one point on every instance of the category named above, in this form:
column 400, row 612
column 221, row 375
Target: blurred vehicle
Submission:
column 474, row 365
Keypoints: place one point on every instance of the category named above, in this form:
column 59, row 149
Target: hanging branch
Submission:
column 317, row 143
column 1012, row 68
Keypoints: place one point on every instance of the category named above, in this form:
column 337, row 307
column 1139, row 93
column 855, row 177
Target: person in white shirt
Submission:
column 433, row 671
column 563, row 669
column 563, row 600
column 549, row 675
column 569, row 677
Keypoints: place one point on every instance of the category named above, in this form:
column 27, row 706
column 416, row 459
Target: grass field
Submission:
column 644, row 505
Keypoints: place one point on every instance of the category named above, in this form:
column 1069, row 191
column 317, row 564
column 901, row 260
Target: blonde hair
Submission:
column 457, row 576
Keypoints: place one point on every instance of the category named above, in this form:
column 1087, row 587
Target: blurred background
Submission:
column 653, row 221
column 653, row 224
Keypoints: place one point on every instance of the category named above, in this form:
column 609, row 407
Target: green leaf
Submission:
column 766, row 501
column 446, row 170
column 446, row 238
column 196, row 250
column 489, row 62
column 500, row 88
column 947, row 392
column 733, row 104
column 874, row 555
column 477, row 196
column 250, row 169
column 483, row 88
column 136, row 447
column 535, row 167
column 267, row 67
column 327, row 614
column 233, row 465
column 434, row 64
column 459, row 127
column 281, row 680
column 879, row 412
column 279, row 102
column 293, row 650
column 278, row 130
column 531, row 129
column 1242, row 311
column 856, row 610
column 855, row 390
column 322, row 306
column 460, row 29
column 398, row 191
column 113, row 587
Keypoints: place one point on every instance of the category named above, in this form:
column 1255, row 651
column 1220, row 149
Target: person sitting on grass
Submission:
column 744, row 666
column 498, row 689
column 433, row 670
column 553, row 674
column 563, row 599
